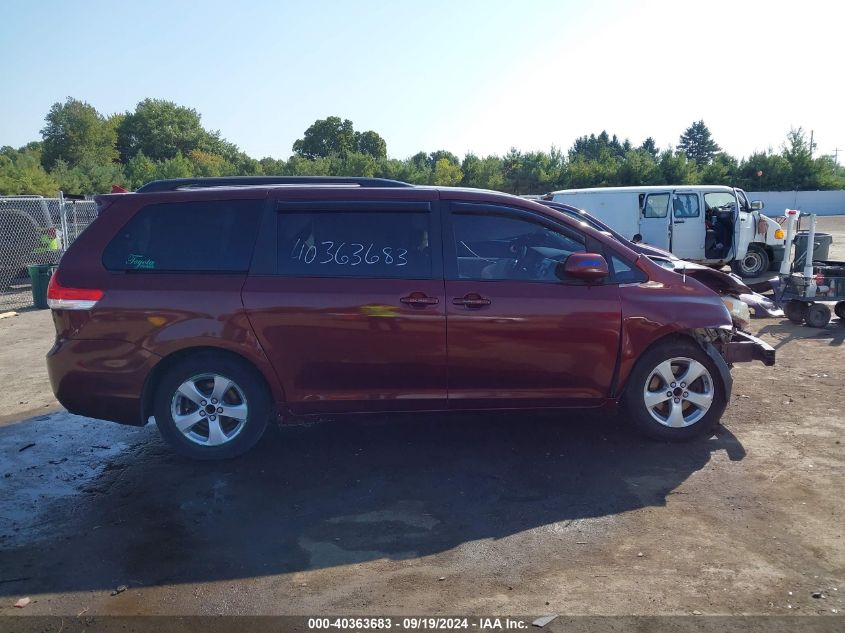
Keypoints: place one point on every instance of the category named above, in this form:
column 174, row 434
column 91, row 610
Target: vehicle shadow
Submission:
column 785, row 332
column 341, row 492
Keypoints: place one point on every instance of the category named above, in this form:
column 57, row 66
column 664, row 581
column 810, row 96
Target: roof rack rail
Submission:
column 245, row 181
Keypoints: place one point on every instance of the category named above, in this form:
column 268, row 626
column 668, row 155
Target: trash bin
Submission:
column 821, row 248
column 40, row 275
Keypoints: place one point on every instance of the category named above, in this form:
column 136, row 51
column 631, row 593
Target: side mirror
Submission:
column 757, row 205
column 589, row 267
column 637, row 238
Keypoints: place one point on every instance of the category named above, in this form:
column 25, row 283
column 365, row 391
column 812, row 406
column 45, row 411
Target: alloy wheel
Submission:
column 209, row 409
column 679, row 392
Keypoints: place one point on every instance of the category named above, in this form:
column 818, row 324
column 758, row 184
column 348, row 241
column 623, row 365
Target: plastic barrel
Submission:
column 821, row 250
column 40, row 275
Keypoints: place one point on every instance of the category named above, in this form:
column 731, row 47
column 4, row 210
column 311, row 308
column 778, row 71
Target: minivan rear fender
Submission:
column 259, row 363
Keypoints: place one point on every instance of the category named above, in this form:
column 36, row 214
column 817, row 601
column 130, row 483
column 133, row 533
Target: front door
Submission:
column 520, row 336
column 688, row 230
column 353, row 315
column 654, row 220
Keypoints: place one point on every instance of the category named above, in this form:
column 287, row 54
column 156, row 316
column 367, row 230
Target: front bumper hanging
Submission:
column 744, row 348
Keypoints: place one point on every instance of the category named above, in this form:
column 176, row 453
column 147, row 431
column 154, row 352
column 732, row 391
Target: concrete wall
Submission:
column 820, row 202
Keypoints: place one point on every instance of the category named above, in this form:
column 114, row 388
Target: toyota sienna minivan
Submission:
column 214, row 306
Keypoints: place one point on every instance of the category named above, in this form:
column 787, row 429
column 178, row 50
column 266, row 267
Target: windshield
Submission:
column 663, row 262
column 586, row 218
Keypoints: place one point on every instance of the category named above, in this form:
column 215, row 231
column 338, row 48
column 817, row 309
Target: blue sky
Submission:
column 470, row 75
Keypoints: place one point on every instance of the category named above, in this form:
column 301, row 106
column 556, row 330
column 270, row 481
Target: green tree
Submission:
column 176, row 167
column 139, row 170
column 327, row 137
column 798, row 154
column 764, row 171
column 594, row 147
column 677, row 169
column 88, row 177
column 650, row 145
column 433, row 157
column 208, row 165
column 483, row 173
column 355, row 164
column 446, row 173
column 829, row 175
column 75, row 132
column 722, row 170
column 272, row 166
column 371, row 143
column 638, row 168
column 697, row 143
column 21, row 173
column 161, row 130
column 532, row 172
column 300, row 166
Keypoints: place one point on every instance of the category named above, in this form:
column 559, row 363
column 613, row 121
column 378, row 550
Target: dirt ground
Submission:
column 524, row 513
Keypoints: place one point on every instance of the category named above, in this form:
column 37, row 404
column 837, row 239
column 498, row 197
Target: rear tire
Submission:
column 839, row 309
column 795, row 311
column 818, row 315
column 660, row 407
column 755, row 263
column 211, row 406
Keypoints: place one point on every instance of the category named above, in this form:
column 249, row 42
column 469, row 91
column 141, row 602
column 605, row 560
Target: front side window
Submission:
column 656, row 206
column 686, row 205
column 625, row 273
column 379, row 244
column 213, row 236
column 504, row 247
column 719, row 201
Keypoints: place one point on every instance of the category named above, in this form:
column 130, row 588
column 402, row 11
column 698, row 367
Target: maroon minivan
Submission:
column 213, row 305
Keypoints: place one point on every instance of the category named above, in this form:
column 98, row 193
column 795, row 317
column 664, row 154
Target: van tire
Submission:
column 226, row 437
column 645, row 378
column 755, row 263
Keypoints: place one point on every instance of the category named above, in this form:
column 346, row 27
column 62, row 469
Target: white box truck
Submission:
column 709, row 224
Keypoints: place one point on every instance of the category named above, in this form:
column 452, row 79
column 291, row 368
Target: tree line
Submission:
column 82, row 151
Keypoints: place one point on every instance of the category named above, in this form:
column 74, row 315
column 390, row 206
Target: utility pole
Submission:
column 836, row 155
column 811, row 143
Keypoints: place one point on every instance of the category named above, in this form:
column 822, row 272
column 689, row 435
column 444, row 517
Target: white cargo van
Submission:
column 709, row 224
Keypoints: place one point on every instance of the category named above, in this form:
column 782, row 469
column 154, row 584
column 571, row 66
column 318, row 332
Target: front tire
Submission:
column 211, row 406
column 675, row 392
column 755, row 263
column 795, row 311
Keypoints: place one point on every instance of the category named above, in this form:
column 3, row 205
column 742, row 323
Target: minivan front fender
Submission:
column 652, row 311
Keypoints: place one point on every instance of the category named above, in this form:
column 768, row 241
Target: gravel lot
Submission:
column 522, row 513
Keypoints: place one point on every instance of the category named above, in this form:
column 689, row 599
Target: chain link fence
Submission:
column 35, row 230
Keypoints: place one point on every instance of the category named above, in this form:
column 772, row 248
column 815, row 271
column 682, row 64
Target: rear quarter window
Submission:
column 214, row 236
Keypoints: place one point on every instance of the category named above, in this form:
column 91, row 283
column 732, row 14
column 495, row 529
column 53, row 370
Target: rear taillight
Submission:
column 61, row 298
column 51, row 232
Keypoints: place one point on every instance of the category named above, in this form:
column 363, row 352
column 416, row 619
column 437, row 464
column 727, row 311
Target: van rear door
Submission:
column 655, row 226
